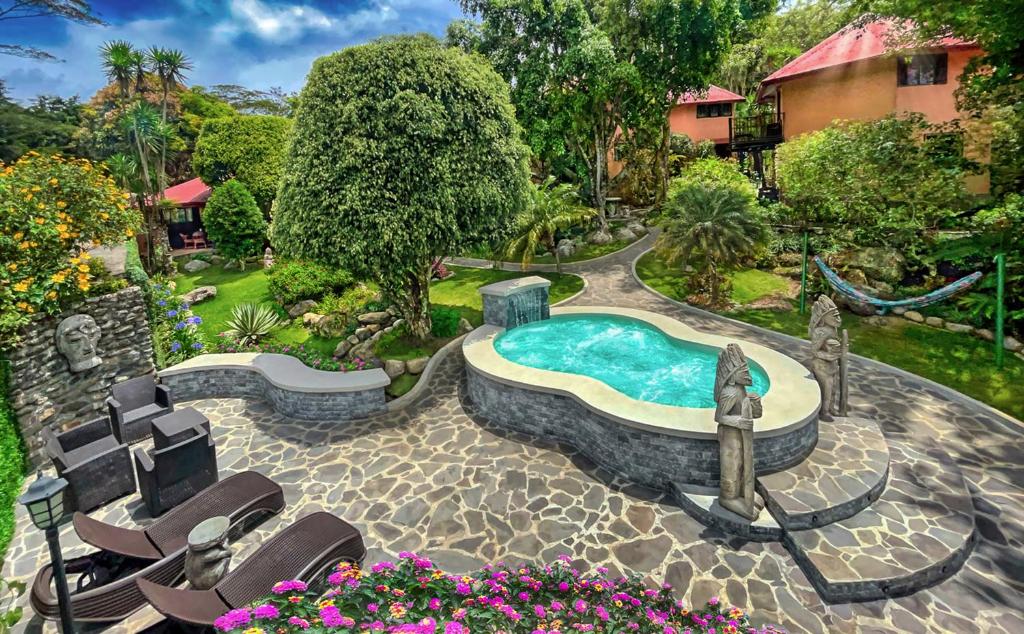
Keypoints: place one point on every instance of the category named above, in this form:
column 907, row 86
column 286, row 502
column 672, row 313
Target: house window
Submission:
column 179, row 215
column 706, row 110
column 921, row 70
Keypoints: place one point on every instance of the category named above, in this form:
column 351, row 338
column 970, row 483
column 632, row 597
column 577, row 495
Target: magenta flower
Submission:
column 434, row 604
column 266, row 611
column 299, row 623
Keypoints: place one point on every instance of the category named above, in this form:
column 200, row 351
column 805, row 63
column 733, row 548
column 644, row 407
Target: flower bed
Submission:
column 414, row 596
column 309, row 356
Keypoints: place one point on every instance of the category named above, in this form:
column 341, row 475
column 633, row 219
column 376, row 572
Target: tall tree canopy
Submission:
column 249, row 148
column 404, row 151
column 48, row 124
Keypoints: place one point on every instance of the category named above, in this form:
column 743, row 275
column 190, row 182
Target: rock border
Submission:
column 1010, row 344
column 1006, row 419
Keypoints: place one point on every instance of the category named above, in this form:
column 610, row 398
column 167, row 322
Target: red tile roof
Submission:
column 850, row 44
column 193, row 192
column 713, row 95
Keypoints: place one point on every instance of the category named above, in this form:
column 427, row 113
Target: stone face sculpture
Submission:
column 77, row 337
column 208, row 556
column 826, row 353
column 735, row 412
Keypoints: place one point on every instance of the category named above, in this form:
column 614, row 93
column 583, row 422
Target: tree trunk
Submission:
column 162, row 175
column 413, row 298
column 600, row 159
column 666, row 145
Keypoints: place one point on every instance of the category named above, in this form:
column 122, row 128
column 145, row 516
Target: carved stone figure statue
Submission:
column 77, row 337
column 208, row 556
column 735, row 413
column 268, row 258
column 826, row 352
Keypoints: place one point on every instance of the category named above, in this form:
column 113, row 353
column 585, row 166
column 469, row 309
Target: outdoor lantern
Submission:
column 44, row 500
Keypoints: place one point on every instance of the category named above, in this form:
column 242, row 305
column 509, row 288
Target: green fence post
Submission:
column 1000, row 283
column 803, row 278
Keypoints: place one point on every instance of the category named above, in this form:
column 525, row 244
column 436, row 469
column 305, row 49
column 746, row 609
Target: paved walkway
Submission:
column 440, row 479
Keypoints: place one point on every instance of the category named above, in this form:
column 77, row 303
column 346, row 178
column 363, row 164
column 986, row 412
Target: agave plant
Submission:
column 251, row 322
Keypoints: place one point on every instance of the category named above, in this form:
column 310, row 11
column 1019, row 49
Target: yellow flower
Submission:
column 40, row 206
column 83, row 286
column 126, row 195
column 21, row 286
column 75, row 260
column 129, row 232
column 85, row 255
column 52, row 295
column 19, row 235
column 62, row 227
column 104, row 215
column 54, row 181
column 28, row 197
column 13, row 266
column 61, row 204
column 36, row 188
column 40, row 221
column 58, row 278
column 23, row 306
column 24, row 245
column 84, row 268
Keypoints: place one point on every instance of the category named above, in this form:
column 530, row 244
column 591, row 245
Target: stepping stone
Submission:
column 843, row 475
column 919, row 532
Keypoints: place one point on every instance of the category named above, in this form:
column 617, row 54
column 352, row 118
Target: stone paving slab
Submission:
column 918, row 532
column 845, row 473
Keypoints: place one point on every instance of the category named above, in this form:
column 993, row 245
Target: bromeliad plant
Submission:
column 414, row 596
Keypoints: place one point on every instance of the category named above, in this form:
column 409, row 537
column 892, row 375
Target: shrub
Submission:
column 715, row 172
column 176, row 335
column 308, row 356
column 413, row 596
column 52, row 206
column 251, row 322
column 12, row 460
column 444, row 322
column 293, row 281
column 234, row 222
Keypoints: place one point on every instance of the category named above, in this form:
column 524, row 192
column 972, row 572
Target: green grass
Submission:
column 586, row 252
column 460, row 292
column 748, row 285
column 239, row 287
column 958, row 361
column 401, row 385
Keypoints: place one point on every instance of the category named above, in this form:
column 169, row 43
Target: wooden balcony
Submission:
column 757, row 132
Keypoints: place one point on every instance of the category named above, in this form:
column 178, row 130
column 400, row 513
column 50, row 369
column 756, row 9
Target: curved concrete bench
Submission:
column 291, row 387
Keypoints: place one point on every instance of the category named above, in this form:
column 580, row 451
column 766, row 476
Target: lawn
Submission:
column 586, row 252
column 748, row 285
column 458, row 292
column 959, row 361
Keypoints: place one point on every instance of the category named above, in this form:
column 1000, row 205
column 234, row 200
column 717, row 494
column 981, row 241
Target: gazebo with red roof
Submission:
column 189, row 199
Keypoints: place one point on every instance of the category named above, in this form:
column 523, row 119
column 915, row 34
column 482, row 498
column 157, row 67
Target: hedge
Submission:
column 12, row 461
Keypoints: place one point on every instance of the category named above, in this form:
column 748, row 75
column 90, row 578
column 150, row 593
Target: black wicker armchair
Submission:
column 96, row 465
column 134, row 405
column 170, row 475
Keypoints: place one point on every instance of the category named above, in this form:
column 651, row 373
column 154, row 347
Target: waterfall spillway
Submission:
column 516, row 302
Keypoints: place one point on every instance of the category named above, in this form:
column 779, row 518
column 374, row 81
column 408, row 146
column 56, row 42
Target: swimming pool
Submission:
column 630, row 355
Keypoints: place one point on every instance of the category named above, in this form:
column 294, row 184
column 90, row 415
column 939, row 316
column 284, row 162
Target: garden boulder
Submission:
column 600, row 237
column 301, row 308
column 416, row 366
column 623, row 234
column 877, row 263
column 962, row 328
column 934, row 321
column 566, row 248
column 194, row 266
column 394, row 368
column 380, row 317
column 199, row 294
column 311, row 320
column 914, row 316
column 342, row 348
column 637, row 228
column 465, row 326
column 1012, row 344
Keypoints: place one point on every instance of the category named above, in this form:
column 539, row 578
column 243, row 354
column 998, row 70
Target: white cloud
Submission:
column 278, row 23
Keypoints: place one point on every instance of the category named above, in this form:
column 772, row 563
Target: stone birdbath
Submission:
column 208, row 556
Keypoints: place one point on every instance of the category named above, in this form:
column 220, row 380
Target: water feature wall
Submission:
column 516, row 302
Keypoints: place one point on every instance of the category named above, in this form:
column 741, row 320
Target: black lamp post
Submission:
column 44, row 500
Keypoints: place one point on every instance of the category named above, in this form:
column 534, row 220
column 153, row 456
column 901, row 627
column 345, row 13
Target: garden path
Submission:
column 438, row 478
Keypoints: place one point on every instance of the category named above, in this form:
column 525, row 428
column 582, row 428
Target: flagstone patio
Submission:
column 439, row 479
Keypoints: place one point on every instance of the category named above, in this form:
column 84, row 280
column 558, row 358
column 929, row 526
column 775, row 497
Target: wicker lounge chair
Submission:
column 170, row 475
column 134, row 405
column 97, row 467
column 106, row 590
column 304, row 550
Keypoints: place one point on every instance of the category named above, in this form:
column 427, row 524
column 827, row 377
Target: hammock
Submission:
column 883, row 305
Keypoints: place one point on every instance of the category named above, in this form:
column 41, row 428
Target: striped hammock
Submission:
column 883, row 305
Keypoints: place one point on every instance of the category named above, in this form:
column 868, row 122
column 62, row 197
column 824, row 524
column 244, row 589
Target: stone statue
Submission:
column 735, row 413
column 268, row 258
column 826, row 353
column 77, row 337
column 208, row 556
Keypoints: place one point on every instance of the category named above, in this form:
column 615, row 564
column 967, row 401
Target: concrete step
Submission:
column 843, row 475
column 918, row 532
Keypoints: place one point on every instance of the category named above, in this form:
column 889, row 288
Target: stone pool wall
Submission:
column 642, row 456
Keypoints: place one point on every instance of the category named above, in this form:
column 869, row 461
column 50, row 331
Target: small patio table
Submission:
column 177, row 426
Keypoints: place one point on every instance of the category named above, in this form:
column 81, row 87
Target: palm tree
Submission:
column 119, row 63
column 169, row 65
column 710, row 226
column 552, row 208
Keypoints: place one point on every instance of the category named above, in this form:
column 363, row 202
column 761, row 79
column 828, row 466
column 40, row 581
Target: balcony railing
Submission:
column 760, row 130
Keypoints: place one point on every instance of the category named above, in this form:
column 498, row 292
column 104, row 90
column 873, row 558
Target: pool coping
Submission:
column 789, row 404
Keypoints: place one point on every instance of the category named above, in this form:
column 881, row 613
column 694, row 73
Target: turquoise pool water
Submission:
column 629, row 355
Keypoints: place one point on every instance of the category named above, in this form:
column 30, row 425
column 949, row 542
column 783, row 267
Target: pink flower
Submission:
column 300, row 623
column 372, row 608
column 266, row 611
column 434, row 604
column 463, row 588
column 539, row 611
column 452, row 627
column 563, row 586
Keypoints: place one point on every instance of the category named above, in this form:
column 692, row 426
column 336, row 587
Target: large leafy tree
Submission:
column 404, row 151
column 552, row 208
column 249, row 148
column 47, row 124
column 234, row 222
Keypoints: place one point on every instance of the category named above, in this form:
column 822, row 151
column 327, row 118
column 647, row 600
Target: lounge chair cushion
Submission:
column 88, row 452
column 146, row 411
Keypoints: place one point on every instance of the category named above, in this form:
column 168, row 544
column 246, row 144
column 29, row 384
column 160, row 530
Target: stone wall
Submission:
column 302, row 405
column 644, row 457
column 44, row 391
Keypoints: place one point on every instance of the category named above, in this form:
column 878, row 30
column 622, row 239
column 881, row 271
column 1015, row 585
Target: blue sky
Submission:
column 256, row 43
